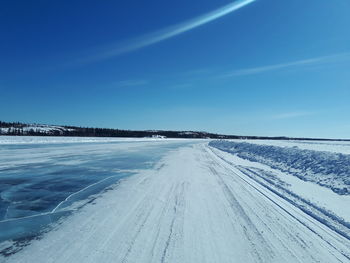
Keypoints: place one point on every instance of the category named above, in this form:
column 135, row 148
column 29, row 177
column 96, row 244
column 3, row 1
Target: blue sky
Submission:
column 264, row 67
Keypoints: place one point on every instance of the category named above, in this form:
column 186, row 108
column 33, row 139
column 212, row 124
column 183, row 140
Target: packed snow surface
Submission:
column 199, row 204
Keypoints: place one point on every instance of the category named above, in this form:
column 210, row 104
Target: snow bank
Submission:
column 323, row 146
column 328, row 169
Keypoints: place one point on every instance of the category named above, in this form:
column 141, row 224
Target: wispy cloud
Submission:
column 181, row 86
column 196, row 72
column 305, row 62
column 291, row 115
column 131, row 83
column 168, row 32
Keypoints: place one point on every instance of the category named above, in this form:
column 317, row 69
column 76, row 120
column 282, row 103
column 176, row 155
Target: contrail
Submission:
column 171, row 31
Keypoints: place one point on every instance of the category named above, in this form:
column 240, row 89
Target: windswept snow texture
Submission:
column 328, row 169
column 324, row 146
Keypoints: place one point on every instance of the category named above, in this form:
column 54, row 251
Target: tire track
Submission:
column 305, row 217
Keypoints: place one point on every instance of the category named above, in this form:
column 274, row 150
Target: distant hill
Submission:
column 23, row 129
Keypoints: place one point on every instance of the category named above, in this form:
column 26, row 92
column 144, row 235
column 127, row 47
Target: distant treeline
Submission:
column 12, row 124
column 22, row 129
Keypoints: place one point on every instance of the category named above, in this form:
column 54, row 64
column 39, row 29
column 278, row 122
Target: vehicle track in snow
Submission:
column 193, row 207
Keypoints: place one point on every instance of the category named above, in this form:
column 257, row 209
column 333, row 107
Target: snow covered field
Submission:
column 181, row 201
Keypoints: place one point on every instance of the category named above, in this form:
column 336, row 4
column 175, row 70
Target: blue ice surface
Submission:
column 37, row 193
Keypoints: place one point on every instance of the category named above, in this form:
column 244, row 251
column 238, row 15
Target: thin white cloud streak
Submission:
column 171, row 31
column 180, row 86
column 131, row 83
column 291, row 115
column 306, row 62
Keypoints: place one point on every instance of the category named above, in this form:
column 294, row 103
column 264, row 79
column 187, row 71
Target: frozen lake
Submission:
column 42, row 180
column 146, row 200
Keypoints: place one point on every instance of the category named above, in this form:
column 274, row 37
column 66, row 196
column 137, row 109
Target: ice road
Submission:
column 194, row 205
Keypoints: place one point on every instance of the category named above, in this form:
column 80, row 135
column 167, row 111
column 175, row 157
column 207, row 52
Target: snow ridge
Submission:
column 327, row 169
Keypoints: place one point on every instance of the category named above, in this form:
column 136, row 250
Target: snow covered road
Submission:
column 193, row 207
